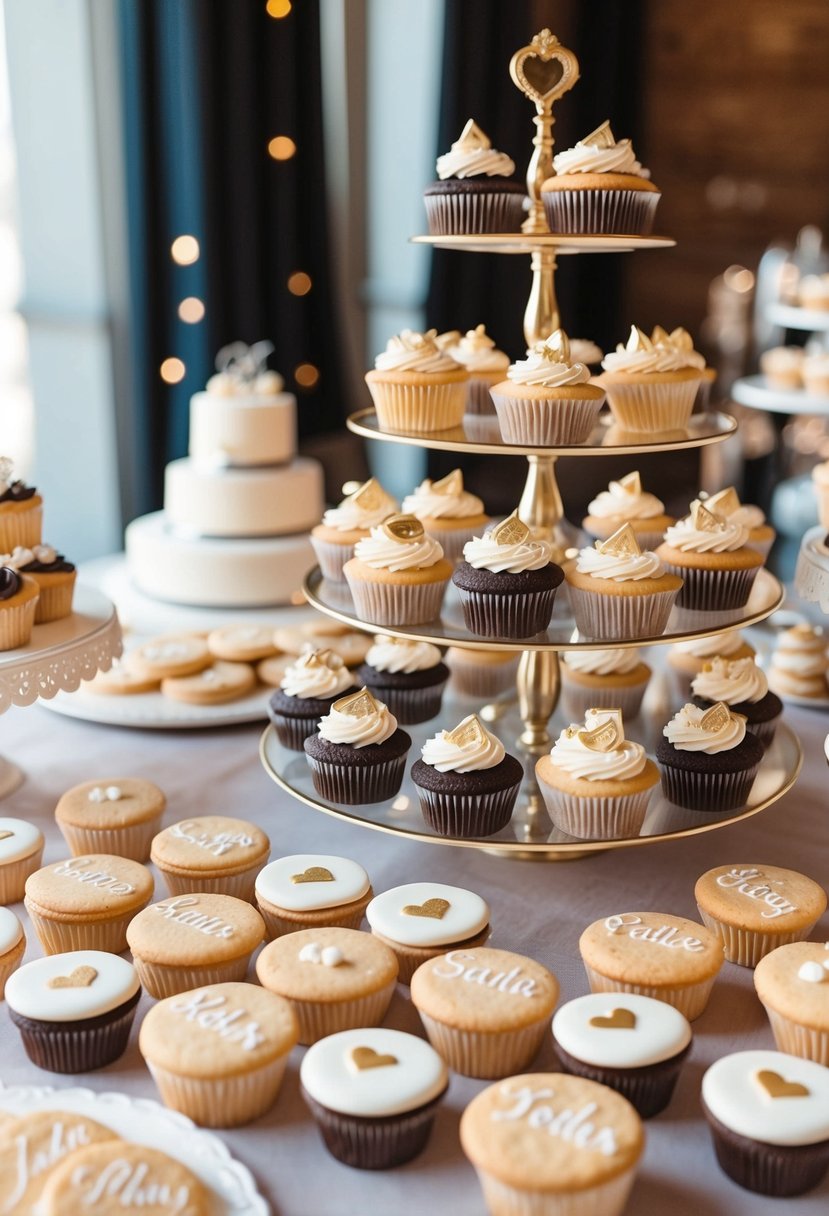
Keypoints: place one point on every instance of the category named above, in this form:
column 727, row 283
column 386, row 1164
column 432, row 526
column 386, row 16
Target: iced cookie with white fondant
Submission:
column 113, row 1177
column 769, row 1117
column 34, row 1144
column 218, row 1054
column 793, row 984
column 118, row 815
column 87, row 902
column 753, row 909
column 21, row 851
column 74, row 1011
column 485, row 1011
column 12, row 946
column 656, row 954
column 310, row 891
column 373, row 1093
column 420, row 920
column 211, row 853
column 632, row 1043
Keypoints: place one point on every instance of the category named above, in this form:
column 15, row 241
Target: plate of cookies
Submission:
column 127, row 1146
column 201, row 679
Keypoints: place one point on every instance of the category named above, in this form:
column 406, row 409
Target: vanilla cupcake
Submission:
column 448, row 512
column 546, row 399
column 421, row 920
column 486, row 365
column 595, row 783
column 707, row 758
column 12, row 946
column 118, row 816
column 604, row 679
column 816, row 374
column 21, row 851
column 755, row 909
column 800, row 663
column 761, row 535
column 211, row 853
column 307, row 690
column 743, row 687
column 312, row 891
column 783, row 367
column 624, row 501
column 482, row 674
column 18, row 605
column 712, row 556
column 398, row 574
column 813, row 292
column 474, row 191
column 417, row 387
column 687, row 659
column 358, row 754
column 334, row 539
column 651, row 382
column 408, row 677
column 21, row 511
column 54, row 575
column 792, row 983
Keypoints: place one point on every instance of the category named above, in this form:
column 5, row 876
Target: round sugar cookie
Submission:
column 173, row 654
column 34, row 1145
column 112, row 1177
column 351, row 645
column 242, row 643
column 119, row 681
column 213, row 686
column 272, row 671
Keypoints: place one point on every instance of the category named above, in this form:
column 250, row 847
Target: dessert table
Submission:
column 537, row 909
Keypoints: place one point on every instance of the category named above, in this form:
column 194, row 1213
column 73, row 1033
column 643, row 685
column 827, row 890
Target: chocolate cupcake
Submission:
column 373, row 1094
column 408, row 677
column 466, row 782
column 473, row 192
column 358, row 754
column 708, row 760
column 634, row 1044
column 307, row 691
column 507, row 582
column 742, row 686
column 74, row 1011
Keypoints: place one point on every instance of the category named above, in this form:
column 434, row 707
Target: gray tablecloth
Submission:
column 538, row 909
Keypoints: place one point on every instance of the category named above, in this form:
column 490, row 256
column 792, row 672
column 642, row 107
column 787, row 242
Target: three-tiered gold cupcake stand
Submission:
column 543, row 70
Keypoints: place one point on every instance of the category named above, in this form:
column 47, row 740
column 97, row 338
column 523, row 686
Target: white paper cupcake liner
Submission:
column 221, row 1101
column 576, row 699
column 608, row 1199
column 347, row 916
column 689, row 999
column 395, row 603
column 60, row 936
column 418, row 407
column 803, row 1041
column 161, row 980
column 452, row 214
column 16, row 622
column 488, row 1056
column 745, row 947
column 133, row 842
column 13, row 875
column 616, row 617
column 318, row 1019
column 595, row 817
column 485, row 681
column 478, row 399
column 629, row 212
column 651, row 407
column 20, row 528
column 551, row 422
column 241, row 886
column 331, row 557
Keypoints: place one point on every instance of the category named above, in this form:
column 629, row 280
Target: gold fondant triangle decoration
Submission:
column 357, row 704
column 510, row 531
column 469, row 733
column 622, row 543
column 715, row 718
column 452, row 483
column 631, row 483
column 725, row 502
column 472, row 136
column 602, row 137
column 705, row 520
column 602, row 738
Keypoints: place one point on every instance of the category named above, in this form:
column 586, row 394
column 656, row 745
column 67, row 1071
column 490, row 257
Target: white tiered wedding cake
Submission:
column 237, row 510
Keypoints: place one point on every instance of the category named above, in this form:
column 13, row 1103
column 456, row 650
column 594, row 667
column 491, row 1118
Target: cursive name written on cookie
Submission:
column 80, row 869
column 130, row 1184
column 748, row 883
column 30, row 1163
column 574, row 1126
column 182, row 910
column 211, row 1013
column 218, row 844
column 664, row 935
column 514, row 982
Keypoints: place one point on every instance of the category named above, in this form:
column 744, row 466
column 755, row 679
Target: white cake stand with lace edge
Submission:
column 59, row 656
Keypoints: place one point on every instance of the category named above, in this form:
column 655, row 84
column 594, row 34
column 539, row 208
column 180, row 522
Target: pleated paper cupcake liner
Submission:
column 478, row 399
column 13, row 875
column 488, row 1056
column 410, row 705
column 20, row 528
column 72, row 1047
column 161, row 980
column 713, row 590
column 9, row 963
column 576, row 699
column 768, row 1169
column 651, row 407
column 745, row 947
column 610, row 617
column 805, row 1041
column 546, row 423
column 409, row 958
column 373, row 1144
column 596, row 817
column 292, row 732
column 16, row 622
column 397, row 603
column 331, row 558
column 689, row 999
column 648, row 1089
column 132, row 842
column 504, row 615
column 281, row 921
column 452, row 541
column 357, row 785
column 607, row 1199
column 318, row 1019
column 628, row 212
column 486, row 680
column 714, row 792
column 765, row 731
column 467, row 815
column 418, row 407
column 221, row 1101
column 60, row 936
column 455, row 214
column 54, row 600
column 241, row 886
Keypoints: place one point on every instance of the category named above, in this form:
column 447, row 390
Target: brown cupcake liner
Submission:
column 331, row 558
column 82, row 1046
column 241, row 885
column 61, row 936
column 54, row 600
column 485, row 681
column 133, row 842
column 606, row 1199
column 769, row 1169
column 713, row 590
column 292, row 732
column 221, row 1101
column 608, row 617
column 504, row 615
column 455, row 214
column 467, row 815
column 576, row 699
column 649, row 1088
column 478, row 398
column 16, row 622
column 23, row 528
column 162, row 980
column 279, row 921
column 745, row 947
column 9, row 963
column 551, row 422
column 486, row 1055
column 318, row 1019
column 806, row 1041
column 596, row 817
column 356, row 785
column 628, row 212
column 397, row 603
column 409, row 958
column 418, row 407
column 452, row 541
column 639, row 406
column 13, row 875
column 765, row 731
column 714, row 792
column 689, row 999
column 374, row 1144
column 410, row 705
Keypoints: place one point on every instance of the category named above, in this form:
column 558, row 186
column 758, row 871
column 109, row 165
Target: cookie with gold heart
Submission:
column 422, row 920
column 358, row 753
column 708, row 759
column 312, row 891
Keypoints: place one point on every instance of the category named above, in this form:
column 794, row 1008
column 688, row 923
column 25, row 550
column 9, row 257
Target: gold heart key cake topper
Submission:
column 715, row 718
column 433, row 909
column 631, row 483
column 469, row 733
column 617, row 1019
column 510, row 531
column 601, row 738
column 403, row 528
column 357, row 704
column 622, row 543
column 452, row 483
column 81, row 977
column 778, row 1087
column 369, row 496
column 313, row 874
column 705, row 520
column 725, row 502
column 366, row 1057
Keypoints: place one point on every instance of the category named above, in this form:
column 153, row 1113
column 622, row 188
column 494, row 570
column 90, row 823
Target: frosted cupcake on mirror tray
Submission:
column 448, row 512
column 398, row 574
column 358, row 753
column 417, row 387
column 604, row 679
column 407, row 676
column 742, row 686
column 686, row 659
column 800, row 664
column 726, row 503
column 482, row 674
column 783, row 367
column 651, row 382
column 625, row 502
column 813, row 292
column 306, row 692
column 486, row 365
column 711, row 554
column 474, row 191
column 708, row 759
column 360, row 511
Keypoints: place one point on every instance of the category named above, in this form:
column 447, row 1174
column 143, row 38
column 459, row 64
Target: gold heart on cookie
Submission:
column 617, row 1019
column 81, row 977
column 366, row 1057
column 313, row 874
column 778, row 1087
column 436, row 909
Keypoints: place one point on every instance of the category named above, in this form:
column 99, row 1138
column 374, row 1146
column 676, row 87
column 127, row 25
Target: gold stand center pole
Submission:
column 538, row 688
column 541, row 506
column 541, row 314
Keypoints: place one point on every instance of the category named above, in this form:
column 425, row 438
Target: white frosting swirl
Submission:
column 606, row 156
column 445, row 755
column 583, row 350
column 382, row 553
column 602, row 662
column 427, row 503
column 714, row 644
column 545, row 368
column 643, row 355
column 727, row 538
column 410, row 351
column 686, row 734
column 473, row 156
column 485, row 553
column 397, row 655
column 351, row 516
column 731, row 681
column 618, row 502
column 576, row 758
column 477, row 352
column 619, row 567
column 309, row 676
column 374, row 727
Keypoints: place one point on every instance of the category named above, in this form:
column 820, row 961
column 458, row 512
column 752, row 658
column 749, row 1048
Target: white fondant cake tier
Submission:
column 214, row 572
column 243, row 502
column 250, row 430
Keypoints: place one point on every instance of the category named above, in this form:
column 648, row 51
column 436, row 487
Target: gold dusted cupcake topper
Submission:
column 510, row 531
column 602, row 137
column 778, row 1087
column 705, row 520
column 370, row 495
column 452, row 483
column 715, row 718
column 403, row 528
column 725, row 502
column 622, row 543
column 469, row 733
column 631, row 483
column 617, row 1019
column 604, row 737
column 359, row 704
